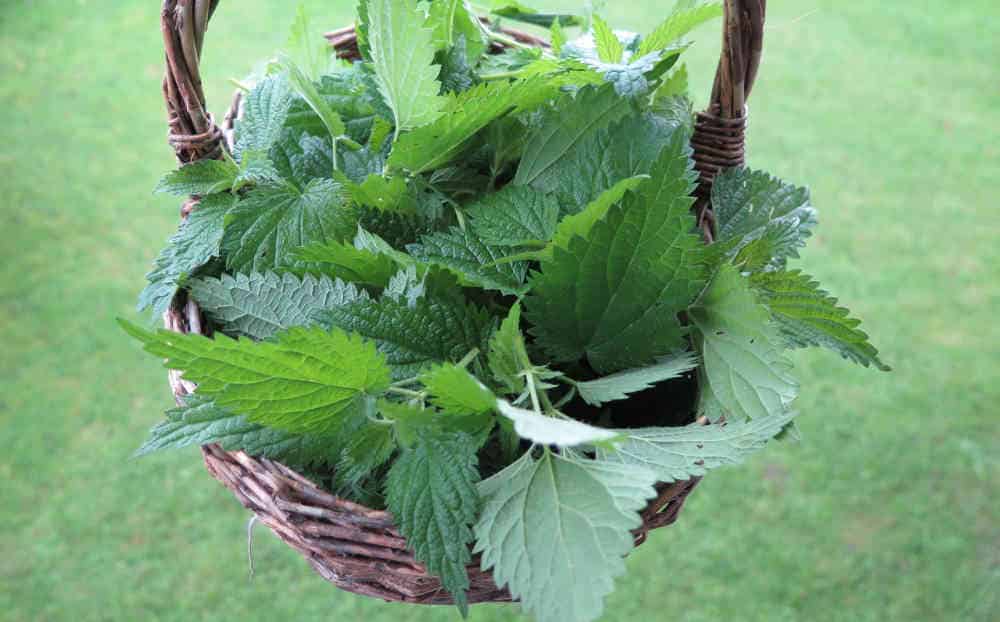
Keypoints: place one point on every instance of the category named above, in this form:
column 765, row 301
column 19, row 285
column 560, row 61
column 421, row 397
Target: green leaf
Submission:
column 555, row 531
column 350, row 93
column 346, row 262
column 514, row 216
column 557, row 37
column 472, row 260
column 454, row 390
column 201, row 422
column 751, row 205
column 304, row 380
column 674, row 86
column 259, row 305
column 194, row 244
column 683, row 20
column 402, row 52
column 199, row 178
column 546, row 430
column 438, row 143
column 619, row 386
column 604, row 157
column 744, row 367
column 682, row 453
column 410, row 422
column 307, row 90
column 265, row 110
column 609, row 48
column 307, row 48
column 431, row 491
column 455, row 21
column 580, row 224
column 808, row 316
column 369, row 448
column 614, row 296
column 271, row 221
column 439, row 327
column 507, row 355
column 564, row 125
column 520, row 13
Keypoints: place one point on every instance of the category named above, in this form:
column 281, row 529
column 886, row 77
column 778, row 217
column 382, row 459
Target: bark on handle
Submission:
column 193, row 132
column 719, row 140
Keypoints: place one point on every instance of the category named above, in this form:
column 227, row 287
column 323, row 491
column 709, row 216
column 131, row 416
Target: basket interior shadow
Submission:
column 354, row 547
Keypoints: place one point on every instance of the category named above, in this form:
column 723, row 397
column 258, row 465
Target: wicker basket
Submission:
column 356, row 548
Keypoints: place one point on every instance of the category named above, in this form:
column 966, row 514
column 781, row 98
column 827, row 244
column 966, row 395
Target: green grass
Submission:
column 887, row 511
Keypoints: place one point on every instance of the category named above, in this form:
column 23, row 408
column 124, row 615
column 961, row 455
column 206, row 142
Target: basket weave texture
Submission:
column 356, row 548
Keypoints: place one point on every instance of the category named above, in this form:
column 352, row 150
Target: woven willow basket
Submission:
column 356, row 548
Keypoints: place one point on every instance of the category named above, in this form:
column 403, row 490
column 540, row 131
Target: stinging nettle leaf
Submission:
column 472, row 260
column 402, row 52
column 200, row 422
column 609, row 48
column 306, row 380
column 194, row 244
column 546, row 430
column 200, row 178
column 564, row 125
column 431, row 492
column 743, row 364
column 682, row 21
column 808, row 316
column 259, row 305
column 752, row 205
column 270, row 222
column 682, row 453
column 344, row 261
column 555, row 531
column 514, row 216
column 454, row 390
column 619, row 386
column 614, row 296
column 507, row 355
column 265, row 110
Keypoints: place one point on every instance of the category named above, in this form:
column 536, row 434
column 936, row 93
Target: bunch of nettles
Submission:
column 461, row 279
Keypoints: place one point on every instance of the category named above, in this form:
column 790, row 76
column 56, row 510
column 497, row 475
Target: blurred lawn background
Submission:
column 887, row 511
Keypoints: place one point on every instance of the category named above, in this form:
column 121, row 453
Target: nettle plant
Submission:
column 466, row 285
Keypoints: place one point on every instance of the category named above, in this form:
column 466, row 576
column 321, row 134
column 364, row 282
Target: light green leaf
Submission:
column 546, row 430
column 619, row 386
column 307, row 48
column 751, row 205
column 690, row 451
column 555, row 531
column 343, row 261
column 679, row 23
column 511, row 9
column 410, row 422
column 455, row 21
column 514, row 216
column 609, row 48
column 307, row 90
column 564, row 125
column 808, row 316
column 455, row 391
column 557, row 37
column 194, row 244
column 201, row 422
column 743, row 363
column 507, row 355
column 402, row 53
column 674, row 86
column 199, row 178
column 614, row 296
column 431, row 492
column 271, row 221
column 304, row 380
column 259, row 305
column 442, row 141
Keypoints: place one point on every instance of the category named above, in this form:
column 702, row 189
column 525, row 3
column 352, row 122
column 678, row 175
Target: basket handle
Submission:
column 193, row 133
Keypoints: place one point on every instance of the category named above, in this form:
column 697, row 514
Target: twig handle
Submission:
column 193, row 132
